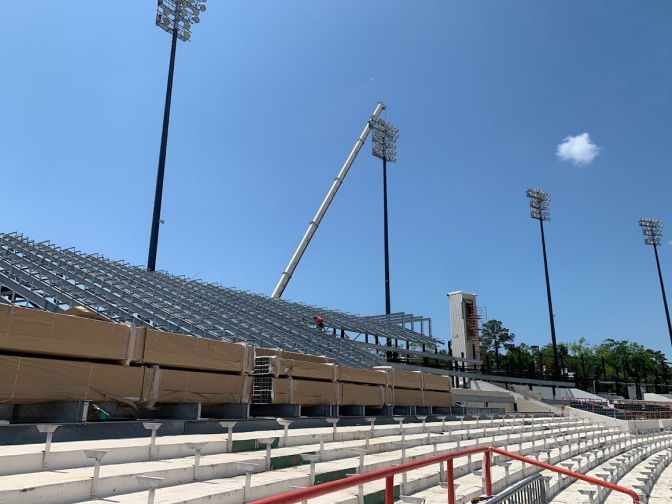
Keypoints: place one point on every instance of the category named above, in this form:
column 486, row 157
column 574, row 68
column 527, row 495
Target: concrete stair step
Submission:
column 620, row 461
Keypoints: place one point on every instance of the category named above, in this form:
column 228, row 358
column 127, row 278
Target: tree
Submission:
column 495, row 336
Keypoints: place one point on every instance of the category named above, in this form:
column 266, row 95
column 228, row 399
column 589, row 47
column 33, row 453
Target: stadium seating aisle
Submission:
column 68, row 479
column 662, row 490
column 612, row 464
column 643, row 477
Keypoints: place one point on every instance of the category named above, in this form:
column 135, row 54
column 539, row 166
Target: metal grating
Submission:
column 262, row 365
column 47, row 277
column 262, row 390
column 530, row 490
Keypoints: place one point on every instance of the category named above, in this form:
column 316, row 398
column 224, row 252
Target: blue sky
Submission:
column 268, row 101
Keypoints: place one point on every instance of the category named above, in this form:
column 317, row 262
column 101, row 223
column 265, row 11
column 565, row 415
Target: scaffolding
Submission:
column 47, row 277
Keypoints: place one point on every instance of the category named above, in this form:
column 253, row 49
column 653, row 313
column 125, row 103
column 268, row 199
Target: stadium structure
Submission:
column 128, row 385
column 132, row 386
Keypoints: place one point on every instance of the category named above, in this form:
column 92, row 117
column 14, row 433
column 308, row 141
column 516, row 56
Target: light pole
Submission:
column 175, row 17
column 653, row 233
column 384, row 147
column 540, row 210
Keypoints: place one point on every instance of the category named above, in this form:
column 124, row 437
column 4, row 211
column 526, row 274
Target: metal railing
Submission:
column 604, row 408
column 529, row 491
column 388, row 474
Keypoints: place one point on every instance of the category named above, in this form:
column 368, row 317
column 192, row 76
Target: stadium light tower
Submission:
column 653, row 233
column 175, row 17
column 540, row 210
column 385, row 138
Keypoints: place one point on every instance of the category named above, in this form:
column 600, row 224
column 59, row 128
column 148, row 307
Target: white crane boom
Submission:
column 312, row 227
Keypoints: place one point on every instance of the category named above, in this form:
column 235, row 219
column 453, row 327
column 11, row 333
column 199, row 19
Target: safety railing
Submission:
column 530, row 490
column 644, row 407
column 388, row 474
column 599, row 408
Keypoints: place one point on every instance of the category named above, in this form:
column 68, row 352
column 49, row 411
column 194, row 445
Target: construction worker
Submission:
column 319, row 322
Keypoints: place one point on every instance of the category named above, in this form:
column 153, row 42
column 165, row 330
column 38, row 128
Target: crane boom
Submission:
column 312, row 227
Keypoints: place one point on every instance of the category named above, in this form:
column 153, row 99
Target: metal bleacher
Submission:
column 45, row 276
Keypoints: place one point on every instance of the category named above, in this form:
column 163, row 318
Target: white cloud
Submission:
column 578, row 149
column 669, row 241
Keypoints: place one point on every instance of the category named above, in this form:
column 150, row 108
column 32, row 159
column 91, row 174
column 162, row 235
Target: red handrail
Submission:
column 566, row 472
column 388, row 474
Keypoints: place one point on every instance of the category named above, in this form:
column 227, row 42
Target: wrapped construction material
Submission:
column 35, row 332
column 403, row 397
column 189, row 352
column 277, row 366
column 268, row 390
column 362, row 376
column 439, row 383
column 362, row 395
column 278, row 352
column 25, row 380
column 400, row 378
column 437, row 399
column 176, row 386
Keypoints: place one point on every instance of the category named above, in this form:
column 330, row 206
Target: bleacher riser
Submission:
column 64, row 460
column 173, row 477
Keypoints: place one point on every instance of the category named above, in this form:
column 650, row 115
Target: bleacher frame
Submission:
column 44, row 276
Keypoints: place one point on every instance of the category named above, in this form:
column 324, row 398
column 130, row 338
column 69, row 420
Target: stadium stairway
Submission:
column 249, row 471
column 620, row 464
column 643, row 477
column 662, row 490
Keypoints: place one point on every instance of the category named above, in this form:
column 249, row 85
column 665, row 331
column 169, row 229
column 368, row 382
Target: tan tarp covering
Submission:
column 400, row 378
column 277, row 352
column 362, row 395
column 282, row 391
column 23, row 330
column 189, row 352
column 362, row 376
column 304, row 392
column 310, row 393
column 436, row 382
column 31, row 380
column 303, row 369
column 435, row 398
column 403, row 397
column 174, row 386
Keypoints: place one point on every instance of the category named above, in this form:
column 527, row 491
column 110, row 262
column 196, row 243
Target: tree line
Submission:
column 617, row 361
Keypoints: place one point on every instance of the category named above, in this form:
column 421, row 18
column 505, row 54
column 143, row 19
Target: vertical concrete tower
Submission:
column 464, row 325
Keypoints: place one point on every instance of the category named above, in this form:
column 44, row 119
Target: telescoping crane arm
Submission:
column 312, row 227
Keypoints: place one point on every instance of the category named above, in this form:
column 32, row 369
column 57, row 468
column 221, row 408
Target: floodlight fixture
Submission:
column 652, row 230
column 539, row 204
column 385, row 138
column 176, row 16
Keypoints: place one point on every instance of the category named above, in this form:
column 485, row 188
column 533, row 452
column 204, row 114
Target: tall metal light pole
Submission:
column 175, row 17
column 385, row 138
column 653, row 233
column 540, row 210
